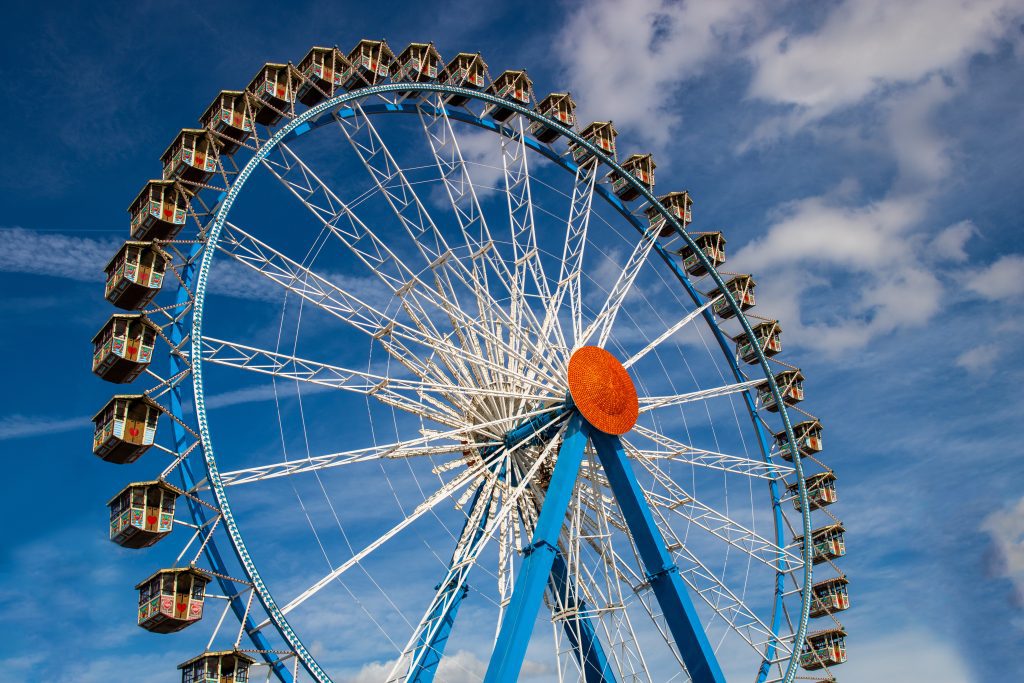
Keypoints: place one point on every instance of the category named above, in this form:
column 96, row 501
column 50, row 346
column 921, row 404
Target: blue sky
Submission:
column 863, row 159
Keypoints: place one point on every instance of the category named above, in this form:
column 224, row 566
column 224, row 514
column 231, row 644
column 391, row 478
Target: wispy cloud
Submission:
column 481, row 150
column 874, row 255
column 979, row 360
column 872, row 258
column 21, row 426
column 83, row 258
column 1006, row 527
column 458, row 667
column 865, row 259
column 263, row 392
column 55, row 254
column 1001, row 281
column 933, row 660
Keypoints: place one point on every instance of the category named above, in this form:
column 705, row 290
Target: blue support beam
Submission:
column 662, row 573
column 427, row 669
column 580, row 629
column 514, row 636
column 426, row 663
column 430, row 649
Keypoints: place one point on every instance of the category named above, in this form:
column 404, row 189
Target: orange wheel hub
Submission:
column 602, row 390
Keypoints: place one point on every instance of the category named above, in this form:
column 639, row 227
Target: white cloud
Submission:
column 1001, row 281
column 819, row 229
column 922, row 154
column 459, row 667
column 83, row 259
column 980, row 359
column 625, row 59
column 874, row 254
column 481, row 151
column 949, row 244
column 898, row 57
column 262, row 392
column 631, row 61
column 152, row 668
column 232, row 279
column 908, row 657
column 20, row 426
column 55, row 254
column 864, row 258
column 1006, row 527
column 880, row 250
column 865, row 46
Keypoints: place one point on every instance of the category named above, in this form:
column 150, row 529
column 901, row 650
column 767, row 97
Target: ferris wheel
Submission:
column 451, row 394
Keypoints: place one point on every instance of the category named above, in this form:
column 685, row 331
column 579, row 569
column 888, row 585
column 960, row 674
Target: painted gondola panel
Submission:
column 158, row 217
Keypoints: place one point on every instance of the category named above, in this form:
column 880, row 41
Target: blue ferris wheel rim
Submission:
column 327, row 111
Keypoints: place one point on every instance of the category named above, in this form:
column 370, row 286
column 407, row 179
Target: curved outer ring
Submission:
column 213, row 473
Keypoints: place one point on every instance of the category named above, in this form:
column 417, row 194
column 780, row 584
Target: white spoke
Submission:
column 374, row 253
column 402, row 449
column 338, row 302
column 695, row 574
column 444, row 493
column 464, row 558
column 602, row 324
column 571, row 269
column 690, row 317
column 418, row 224
column 603, row 585
column 618, row 574
column 322, row 462
column 508, row 542
column 651, row 402
column 711, row 589
column 330, row 210
column 385, row 389
column 466, row 552
column 679, row 452
column 525, row 253
column 470, row 217
column 677, row 500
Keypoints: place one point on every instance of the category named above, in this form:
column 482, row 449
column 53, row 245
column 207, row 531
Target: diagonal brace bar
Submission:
column 514, row 636
column 662, row 573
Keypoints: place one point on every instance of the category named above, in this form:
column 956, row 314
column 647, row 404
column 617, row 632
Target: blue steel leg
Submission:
column 662, row 573
column 425, row 663
column 580, row 629
column 427, row 669
column 430, row 649
column 510, row 648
